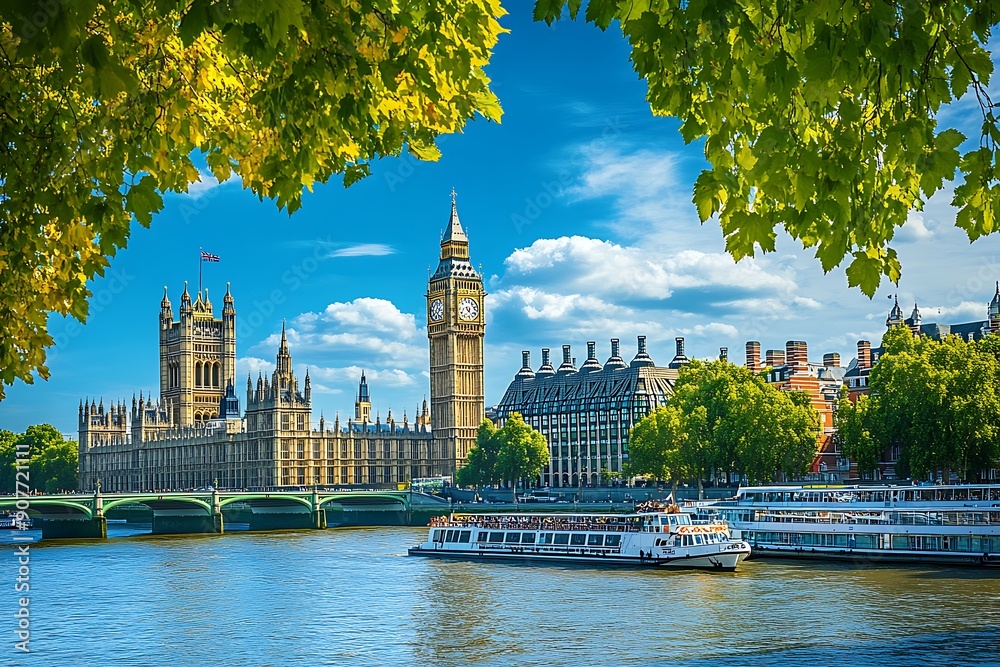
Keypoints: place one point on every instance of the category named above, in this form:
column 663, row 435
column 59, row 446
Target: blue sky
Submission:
column 578, row 207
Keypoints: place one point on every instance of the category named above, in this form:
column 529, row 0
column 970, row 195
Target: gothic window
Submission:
column 197, row 374
column 215, row 374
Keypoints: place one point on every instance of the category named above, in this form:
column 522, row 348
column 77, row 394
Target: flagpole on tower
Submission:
column 201, row 262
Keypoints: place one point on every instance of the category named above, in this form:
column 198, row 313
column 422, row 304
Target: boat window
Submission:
column 562, row 538
column 612, row 540
column 698, row 539
column 483, row 536
column 545, row 538
column 496, row 537
column 436, row 536
column 594, row 540
column 450, row 536
column 513, row 538
column 527, row 538
column 578, row 539
column 464, row 536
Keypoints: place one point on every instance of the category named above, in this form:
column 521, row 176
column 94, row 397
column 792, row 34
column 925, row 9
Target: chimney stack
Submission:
column 831, row 359
column 679, row 358
column 864, row 354
column 774, row 358
column 796, row 355
column 753, row 356
column 525, row 371
column 591, row 364
column 568, row 365
column 615, row 362
column 641, row 358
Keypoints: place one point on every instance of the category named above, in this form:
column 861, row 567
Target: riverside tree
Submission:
column 938, row 400
column 820, row 117
column 511, row 453
column 480, row 467
column 724, row 418
column 52, row 461
column 104, row 107
column 523, row 451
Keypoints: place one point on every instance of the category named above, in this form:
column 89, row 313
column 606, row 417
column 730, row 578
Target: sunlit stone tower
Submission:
column 455, row 328
column 197, row 357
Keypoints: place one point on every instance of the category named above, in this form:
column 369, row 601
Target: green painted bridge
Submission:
column 85, row 515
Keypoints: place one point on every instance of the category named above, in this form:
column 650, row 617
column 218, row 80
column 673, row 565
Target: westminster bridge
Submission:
column 84, row 515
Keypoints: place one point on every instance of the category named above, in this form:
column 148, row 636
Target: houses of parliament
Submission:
column 193, row 434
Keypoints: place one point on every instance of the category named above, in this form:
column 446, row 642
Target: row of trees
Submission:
column 52, row 461
column 937, row 401
column 511, row 453
column 723, row 418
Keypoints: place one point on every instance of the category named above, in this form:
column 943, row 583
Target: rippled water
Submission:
column 351, row 597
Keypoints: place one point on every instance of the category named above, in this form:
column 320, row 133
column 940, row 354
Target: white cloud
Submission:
column 388, row 377
column 336, row 343
column 597, row 266
column 712, row 328
column 253, row 366
column 367, row 314
column 959, row 312
column 206, row 183
column 363, row 250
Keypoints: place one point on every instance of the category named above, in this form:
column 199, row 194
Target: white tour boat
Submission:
column 941, row 524
column 654, row 539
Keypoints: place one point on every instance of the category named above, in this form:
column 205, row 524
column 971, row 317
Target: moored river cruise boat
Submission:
column 939, row 524
column 668, row 539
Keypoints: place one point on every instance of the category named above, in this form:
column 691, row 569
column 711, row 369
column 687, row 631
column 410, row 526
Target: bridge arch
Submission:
column 148, row 500
column 400, row 498
column 245, row 497
column 37, row 503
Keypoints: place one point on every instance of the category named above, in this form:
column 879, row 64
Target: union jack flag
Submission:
column 209, row 257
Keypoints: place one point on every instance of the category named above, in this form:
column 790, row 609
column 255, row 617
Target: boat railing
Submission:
column 618, row 527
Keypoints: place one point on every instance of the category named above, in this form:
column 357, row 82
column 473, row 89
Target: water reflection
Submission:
column 351, row 597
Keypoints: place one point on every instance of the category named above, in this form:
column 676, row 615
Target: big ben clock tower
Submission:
column 455, row 327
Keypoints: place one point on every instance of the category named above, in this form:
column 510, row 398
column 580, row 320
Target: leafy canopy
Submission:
column 106, row 106
column 722, row 417
column 513, row 452
column 51, row 461
column 819, row 116
column 938, row 400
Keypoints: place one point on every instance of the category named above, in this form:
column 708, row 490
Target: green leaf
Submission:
column 195, row 21
column 143, row 200
column 865, row 273
column 550, row 10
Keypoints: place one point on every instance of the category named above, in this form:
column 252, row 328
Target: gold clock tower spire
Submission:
column 456, row 327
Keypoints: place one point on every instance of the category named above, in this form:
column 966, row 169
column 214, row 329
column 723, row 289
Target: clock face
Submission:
column 437, row 310
column 468, row 309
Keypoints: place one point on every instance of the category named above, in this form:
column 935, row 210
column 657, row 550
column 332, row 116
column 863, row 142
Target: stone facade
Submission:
column 193, row 435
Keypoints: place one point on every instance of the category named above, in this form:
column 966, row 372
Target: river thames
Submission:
column 352, row 597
